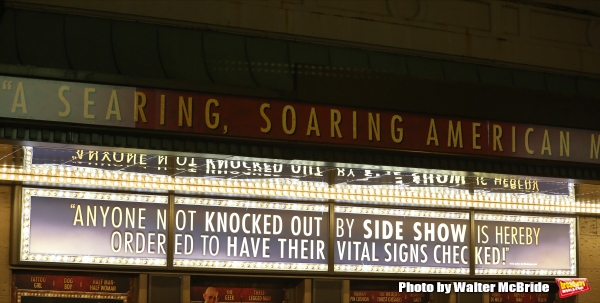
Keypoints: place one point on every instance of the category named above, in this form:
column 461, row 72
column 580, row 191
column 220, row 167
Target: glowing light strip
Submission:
column 249, row 265
column 519, row 218
column 25, row 254
column 400, row 269
column 64, row 294
column 402, row 212
column 572, row 271
column 524, row 272
column 89, row 195
column 450, row 193
column 252, row 204
column 412, row 197
column 78, row 259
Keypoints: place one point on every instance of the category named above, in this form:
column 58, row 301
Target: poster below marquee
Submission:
column 85, row 227
column 376, row 296
column 211, row 289
column 58, row 288
column 525, row 245
column 258, row 235
column 236, row 294
column 381, row 240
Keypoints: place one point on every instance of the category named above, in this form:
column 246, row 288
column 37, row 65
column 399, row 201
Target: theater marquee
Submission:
column 84, row 227
column 129, row 229
column 525, row 245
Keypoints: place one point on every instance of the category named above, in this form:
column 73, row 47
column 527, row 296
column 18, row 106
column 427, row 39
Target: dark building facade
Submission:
column 298, row 151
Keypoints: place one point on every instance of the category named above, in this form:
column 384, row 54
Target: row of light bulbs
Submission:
column 250, row 265
column 93, row 260
column 525, row 272
column 253, row 204
column 401, row 269
column 56, row 175
column 407, row 196
column 75, row 295
column 402, row 212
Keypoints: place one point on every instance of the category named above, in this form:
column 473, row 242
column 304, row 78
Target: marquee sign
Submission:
column 401, row 241
column 34, row 288
column 234, row 168
column 240, row 234
column 129, row 229
column 83, row 227
column 176, row 166
column 267, row 119
column 525, row 245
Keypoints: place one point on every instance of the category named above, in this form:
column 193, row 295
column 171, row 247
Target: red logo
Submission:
column 571, row 287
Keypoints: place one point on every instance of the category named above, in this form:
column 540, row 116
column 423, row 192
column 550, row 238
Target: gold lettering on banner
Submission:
column 354, row 125
column 476, row 135
column 292, row 129
column 313, row 123
column 432, row 134
column 185, row 110
column 19, row 100
column 140, row 104
column 455, row 136
column 267, row 128
column 208, row 114
column 595, row 147
column 370, row 128
column 62, row 98
column 497, row 137
column 564, row 144
column 113, row 106
column 103, row 285
column 37, row 279
column 87, row 102
column 397, row 130
column 527, row 132
column 374, row 127
column 336, row 119
column 162, row 109
column 546, row 144
column 514, row 139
